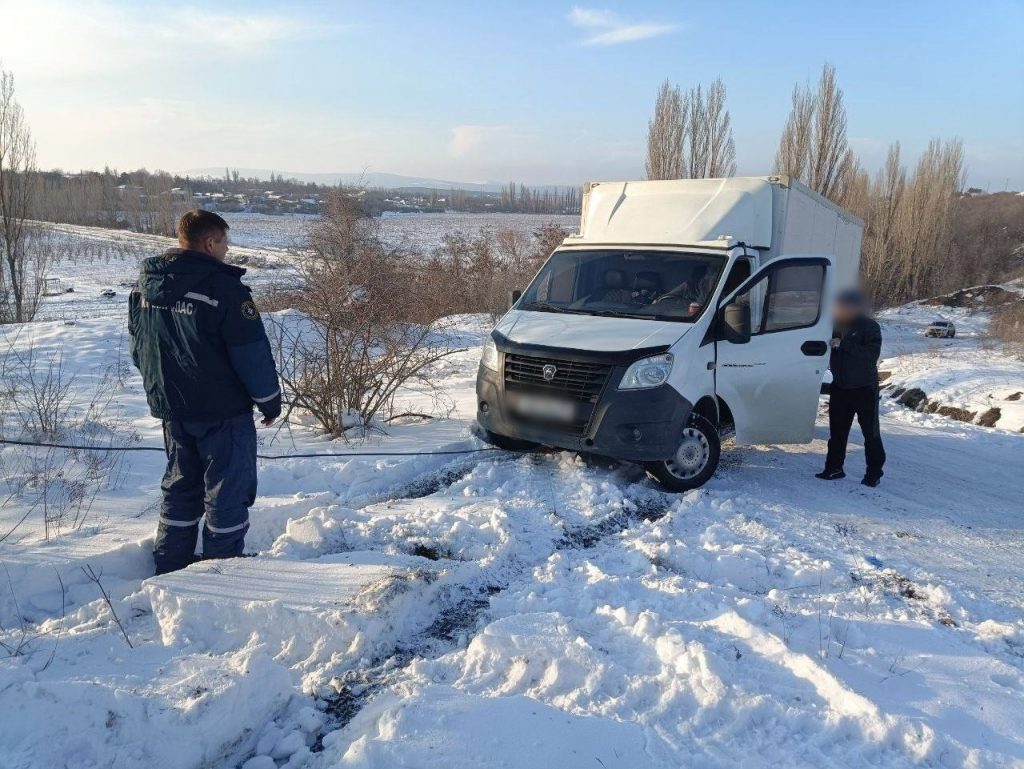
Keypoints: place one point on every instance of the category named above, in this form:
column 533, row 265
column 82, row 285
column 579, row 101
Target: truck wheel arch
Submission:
column 707, row 407
column 725, row 416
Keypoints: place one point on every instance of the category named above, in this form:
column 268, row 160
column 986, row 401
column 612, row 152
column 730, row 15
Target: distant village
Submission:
column 290, row 197
column 256, row 201
column 277, row 202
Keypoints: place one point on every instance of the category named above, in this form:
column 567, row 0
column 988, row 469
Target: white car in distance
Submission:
column 941, row 329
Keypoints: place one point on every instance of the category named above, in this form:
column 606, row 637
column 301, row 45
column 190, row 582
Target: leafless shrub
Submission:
column 988, row 239
column 15, row 641
column 38, row 392
column 1008, row 325
column 18, row 642
column 37, row 404
column 368, row 321
column 94, row 576
column 476, row 273
column 366, row 324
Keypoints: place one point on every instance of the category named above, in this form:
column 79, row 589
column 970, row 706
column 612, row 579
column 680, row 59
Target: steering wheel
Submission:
column 670, row 295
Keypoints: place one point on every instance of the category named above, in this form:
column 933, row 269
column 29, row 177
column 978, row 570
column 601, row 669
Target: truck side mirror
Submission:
column 513, row 297
column 735, row 323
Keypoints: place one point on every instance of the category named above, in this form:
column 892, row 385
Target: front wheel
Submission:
column 952, row 334
column 695, row 460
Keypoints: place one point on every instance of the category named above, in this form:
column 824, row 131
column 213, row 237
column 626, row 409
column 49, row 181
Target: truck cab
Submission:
column 681, row 309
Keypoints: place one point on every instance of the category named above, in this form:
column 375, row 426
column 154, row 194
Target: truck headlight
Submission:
column 647, row 372
column 489, row 358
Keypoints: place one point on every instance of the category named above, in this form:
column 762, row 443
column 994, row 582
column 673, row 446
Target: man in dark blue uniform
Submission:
column 198, row 339
column 856, row 346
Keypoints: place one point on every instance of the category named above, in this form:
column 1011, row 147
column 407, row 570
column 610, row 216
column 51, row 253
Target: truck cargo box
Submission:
column 777, row 215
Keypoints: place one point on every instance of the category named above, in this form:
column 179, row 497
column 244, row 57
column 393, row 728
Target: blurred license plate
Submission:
column 539, row 407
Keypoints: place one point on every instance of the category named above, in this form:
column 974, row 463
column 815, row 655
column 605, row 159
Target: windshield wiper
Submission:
column 620, row 314
column 641, row 316
column 545, row 307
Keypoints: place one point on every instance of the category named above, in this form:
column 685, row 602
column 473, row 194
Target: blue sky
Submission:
column 542, row 92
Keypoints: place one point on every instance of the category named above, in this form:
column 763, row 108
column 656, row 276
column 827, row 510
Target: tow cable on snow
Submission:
column 74, row 447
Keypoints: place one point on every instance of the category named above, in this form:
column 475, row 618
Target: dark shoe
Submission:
column 871, row 480
column 830, row 475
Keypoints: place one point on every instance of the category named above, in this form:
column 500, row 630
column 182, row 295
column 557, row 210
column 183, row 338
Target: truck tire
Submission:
column 952, row 334
column 507, row 443
column 694, row 462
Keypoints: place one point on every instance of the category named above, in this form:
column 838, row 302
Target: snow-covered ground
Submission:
column 495, row 609
column 969, row 373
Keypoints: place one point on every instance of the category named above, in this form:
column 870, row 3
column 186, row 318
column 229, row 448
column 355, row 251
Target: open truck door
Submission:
column 772, row 339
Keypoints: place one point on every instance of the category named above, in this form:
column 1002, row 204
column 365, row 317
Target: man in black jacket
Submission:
column 856, row 346
column 197, row 337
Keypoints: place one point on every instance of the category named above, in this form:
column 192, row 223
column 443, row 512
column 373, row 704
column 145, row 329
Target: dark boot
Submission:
column 872, row 479
column 830, row 475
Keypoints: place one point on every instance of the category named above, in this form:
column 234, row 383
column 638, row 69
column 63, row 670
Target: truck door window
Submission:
column 794, row 297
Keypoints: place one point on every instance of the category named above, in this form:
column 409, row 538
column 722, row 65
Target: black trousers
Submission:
column 843, row 406
column 211, row 473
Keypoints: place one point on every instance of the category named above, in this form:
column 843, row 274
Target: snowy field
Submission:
column 425, row 231
column 526, row 611
column 92, row 260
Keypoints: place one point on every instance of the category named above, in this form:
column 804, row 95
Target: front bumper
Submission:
column 632, row 425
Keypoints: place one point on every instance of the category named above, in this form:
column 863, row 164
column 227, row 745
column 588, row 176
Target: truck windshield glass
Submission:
column 661, row 285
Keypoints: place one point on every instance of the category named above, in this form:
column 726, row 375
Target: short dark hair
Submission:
column 198, row 224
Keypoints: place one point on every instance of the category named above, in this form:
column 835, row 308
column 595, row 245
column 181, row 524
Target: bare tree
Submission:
column 878, row 253
column 721, row 146
column 908, row 250
column 831, row 158
column 926, row 221
column 18, row 283
column 795, row 144
column 665, row 134
column 690, row 135
column 696, row 141
column 813, row 146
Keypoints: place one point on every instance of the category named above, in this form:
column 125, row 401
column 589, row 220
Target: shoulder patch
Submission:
column 249, row 311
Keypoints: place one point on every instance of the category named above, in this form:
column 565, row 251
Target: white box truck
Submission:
column 681, row 310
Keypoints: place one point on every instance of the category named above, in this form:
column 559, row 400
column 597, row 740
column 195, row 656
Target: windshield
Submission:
column 661, row 285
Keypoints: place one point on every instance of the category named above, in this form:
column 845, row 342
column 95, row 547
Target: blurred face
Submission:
column 845, row 312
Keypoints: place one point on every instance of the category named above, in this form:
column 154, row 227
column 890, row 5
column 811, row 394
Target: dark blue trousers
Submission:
column 211, row 472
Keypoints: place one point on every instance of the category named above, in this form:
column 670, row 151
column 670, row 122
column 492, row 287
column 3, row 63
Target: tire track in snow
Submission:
column 609, row 507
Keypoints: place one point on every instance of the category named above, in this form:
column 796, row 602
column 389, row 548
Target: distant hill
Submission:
column 369, row 179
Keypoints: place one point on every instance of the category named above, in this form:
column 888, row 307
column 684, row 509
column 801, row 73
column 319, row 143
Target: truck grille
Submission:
column 580, row 381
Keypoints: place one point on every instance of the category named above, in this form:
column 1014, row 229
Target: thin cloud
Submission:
column 605, row 27
column 47, row 39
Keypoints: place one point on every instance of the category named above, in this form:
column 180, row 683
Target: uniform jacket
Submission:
column 854, row 362
column 198, row 339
